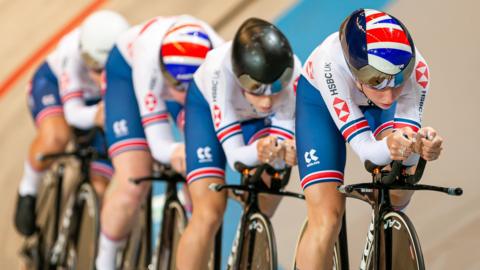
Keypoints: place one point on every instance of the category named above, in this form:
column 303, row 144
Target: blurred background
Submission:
column 444, row 31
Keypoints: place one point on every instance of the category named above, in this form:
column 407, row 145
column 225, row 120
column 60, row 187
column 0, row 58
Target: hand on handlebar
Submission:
column 178, row 160
column 400, row 143
column 428, row 144
column 269, row 149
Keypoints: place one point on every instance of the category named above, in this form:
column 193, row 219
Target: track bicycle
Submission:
column 138, row 254
column 254, row 246
column 67, row 234
column 392, row 242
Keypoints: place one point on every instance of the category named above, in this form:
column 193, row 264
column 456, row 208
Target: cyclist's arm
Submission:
column 334, row 87
column 148, row 85
column 77, row 113
column 411, row 101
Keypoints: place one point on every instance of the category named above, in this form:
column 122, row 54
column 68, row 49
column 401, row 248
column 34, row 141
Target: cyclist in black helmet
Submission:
column 240, row 107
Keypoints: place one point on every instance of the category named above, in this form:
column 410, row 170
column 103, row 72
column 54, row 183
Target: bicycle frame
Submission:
column 377, row 194
column 254, row 185
column 165, row 174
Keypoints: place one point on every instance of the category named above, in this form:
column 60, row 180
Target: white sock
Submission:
column 30, row 181
column 107, row 252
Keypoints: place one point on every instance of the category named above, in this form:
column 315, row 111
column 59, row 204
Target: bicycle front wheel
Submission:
column 173, row 225
column 258, row 250
column 339, row 261
column 399, row 244
column 82, row 238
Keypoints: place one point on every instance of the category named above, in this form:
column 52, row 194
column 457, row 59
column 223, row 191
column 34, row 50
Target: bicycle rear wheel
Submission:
column 81, row 246
column 399, row 244
column 340, row 259
column 258, row 250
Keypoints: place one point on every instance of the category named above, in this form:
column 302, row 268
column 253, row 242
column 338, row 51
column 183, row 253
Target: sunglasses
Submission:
column 257, row 88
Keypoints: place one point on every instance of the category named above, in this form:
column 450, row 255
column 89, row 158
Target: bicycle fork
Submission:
column 368, row 243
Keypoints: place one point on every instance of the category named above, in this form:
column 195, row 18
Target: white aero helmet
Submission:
column 98, row 34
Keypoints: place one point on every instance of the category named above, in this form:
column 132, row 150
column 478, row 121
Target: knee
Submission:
column 130, row 196
column 56, row 139
column 326, row 224
column 209, row 218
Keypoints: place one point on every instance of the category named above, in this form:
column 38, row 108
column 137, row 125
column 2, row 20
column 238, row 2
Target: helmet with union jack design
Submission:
column 377, row 48
column 183, row 49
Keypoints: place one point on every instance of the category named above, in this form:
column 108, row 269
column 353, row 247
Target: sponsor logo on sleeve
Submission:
column 421, row 74
column 309, row 70
column 310, row 158
column 204, row 154
column 341, row 109
column 48, row 100
column 329, row 79
column 150, row 101
column 120, row 128
column 64, row 82
column 217, row 115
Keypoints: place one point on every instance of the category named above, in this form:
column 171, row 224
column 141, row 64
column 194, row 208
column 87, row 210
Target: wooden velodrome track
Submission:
column 443, row 30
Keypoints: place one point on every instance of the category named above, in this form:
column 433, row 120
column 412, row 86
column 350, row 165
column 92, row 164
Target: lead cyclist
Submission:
column 365, row 85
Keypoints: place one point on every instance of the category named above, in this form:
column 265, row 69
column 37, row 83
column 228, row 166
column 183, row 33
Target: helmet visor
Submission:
column 378, row 80
column 257, row 88
column 91, row 63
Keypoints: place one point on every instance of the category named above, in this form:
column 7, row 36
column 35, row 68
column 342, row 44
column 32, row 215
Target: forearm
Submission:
column 161, row 142
column 79, row 115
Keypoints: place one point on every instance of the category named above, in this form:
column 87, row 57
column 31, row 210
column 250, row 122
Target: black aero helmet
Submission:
column 262, row 58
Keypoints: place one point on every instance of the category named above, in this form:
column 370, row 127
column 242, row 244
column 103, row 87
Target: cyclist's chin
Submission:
column 383, row 106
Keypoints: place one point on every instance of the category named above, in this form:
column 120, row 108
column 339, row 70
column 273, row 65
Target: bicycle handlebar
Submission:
column 164, row 173
column 282, row 175
column 397, row 171
column 81, row 154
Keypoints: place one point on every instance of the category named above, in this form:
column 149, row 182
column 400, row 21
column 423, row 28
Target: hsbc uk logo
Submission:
column 150, row 101
column 341, row 109
column 204, row 154
column 421, row 74
column 310, row 158
column 217, row 115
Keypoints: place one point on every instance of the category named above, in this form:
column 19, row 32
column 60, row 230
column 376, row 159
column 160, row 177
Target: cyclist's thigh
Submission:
column 44, row 102
column 321, row 152
column 205, row 156
column 127, row 144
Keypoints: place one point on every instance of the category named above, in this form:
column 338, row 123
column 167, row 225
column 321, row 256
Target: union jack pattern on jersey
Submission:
column 388, row 45
column 184, row 49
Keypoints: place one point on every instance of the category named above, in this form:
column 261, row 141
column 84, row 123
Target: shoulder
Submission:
column 421, row 72
column 327, row 70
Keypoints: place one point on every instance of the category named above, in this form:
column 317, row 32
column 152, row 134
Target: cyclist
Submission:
column 65, row 91
column 365, row 85
column 240, row 104
column 147, row 74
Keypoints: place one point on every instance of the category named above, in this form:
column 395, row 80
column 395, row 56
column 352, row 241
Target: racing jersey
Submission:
column 78, row 91
column 229, row 108
column 327, row 71
column 140, row 46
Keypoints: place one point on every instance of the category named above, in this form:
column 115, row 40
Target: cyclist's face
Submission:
column 263, row 104
column 382, row 98
column 177, row 95
column 95, row 76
